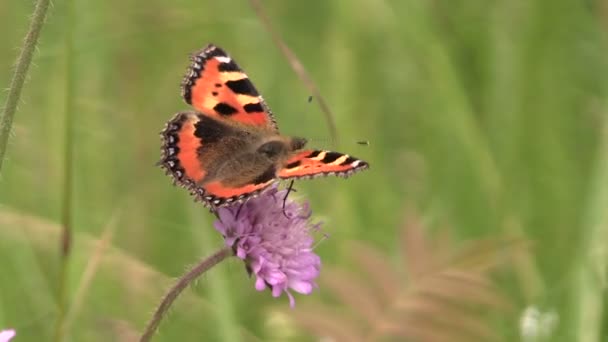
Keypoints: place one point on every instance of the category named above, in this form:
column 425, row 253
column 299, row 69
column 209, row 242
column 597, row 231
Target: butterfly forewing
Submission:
column 312, row 163
column 216, row 86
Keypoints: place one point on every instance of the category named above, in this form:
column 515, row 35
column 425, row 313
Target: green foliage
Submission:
column 488, row 116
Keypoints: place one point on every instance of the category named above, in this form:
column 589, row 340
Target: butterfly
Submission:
column 230, row 148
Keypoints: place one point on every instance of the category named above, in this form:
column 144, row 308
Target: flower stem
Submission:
column 182, row 283
column 23, row 64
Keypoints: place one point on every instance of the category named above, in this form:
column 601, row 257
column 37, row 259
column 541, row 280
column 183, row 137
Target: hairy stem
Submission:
column 23, row 63
column 182, row 283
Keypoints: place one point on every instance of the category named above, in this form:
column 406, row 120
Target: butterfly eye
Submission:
column 272, row 148
column 297, row 143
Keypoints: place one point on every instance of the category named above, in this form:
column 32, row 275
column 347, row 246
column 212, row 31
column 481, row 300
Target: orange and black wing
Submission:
column 215, row 85
column 313, row 163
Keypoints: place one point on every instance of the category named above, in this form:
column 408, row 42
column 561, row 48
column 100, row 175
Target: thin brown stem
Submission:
column 297, row 66
column 90, row 270
column 182, row 283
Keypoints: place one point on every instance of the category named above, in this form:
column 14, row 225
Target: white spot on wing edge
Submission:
column 223, row 59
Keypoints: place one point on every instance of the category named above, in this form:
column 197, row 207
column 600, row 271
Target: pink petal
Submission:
column 303, row 287
column 241, row 253
column 260, row 284
column 292, row 301
column 6, row 335
column 277, row 290
column 275, row 277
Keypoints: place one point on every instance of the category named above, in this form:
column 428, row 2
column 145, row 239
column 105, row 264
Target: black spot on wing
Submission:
column 348, row 161
column 293, row 164
column 253, row 107
column 330, row 157
column 228, row 67
column 314, row 154
column 242, row 86
column 269, row 174
column 209, row 130
column 224, row 109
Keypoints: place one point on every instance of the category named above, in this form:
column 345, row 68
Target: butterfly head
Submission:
column 280, row 147
column 297, row 143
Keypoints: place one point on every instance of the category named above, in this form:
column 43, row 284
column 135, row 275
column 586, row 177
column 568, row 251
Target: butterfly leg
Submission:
column 289, row 189
column 239, row 211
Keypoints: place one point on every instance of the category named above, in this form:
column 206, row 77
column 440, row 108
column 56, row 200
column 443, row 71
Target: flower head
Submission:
column 7, row 335
column 275, row 244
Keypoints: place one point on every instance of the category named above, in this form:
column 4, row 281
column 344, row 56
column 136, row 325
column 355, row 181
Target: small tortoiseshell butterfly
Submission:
column 230, row 148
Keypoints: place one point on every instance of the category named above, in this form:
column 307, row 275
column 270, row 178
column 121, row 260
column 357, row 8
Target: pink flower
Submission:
column 276, row 245
column 7, row 335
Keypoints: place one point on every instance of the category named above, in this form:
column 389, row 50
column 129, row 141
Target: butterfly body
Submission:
column 230, row 149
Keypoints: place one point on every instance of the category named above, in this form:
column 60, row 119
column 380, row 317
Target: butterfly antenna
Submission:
column 333, row 141
column 289, row 190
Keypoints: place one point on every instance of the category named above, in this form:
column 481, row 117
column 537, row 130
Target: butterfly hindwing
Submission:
column 312, row 163
column 238, row 178
column 216, row 86
column 218, row 194
column 196, row 156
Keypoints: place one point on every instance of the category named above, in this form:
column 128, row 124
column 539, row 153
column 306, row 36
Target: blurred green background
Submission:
column 487, row 127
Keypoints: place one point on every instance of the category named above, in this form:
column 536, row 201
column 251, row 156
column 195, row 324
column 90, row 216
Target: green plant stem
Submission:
column 23, row 63
column 592, row 276
column 66, row 212
column 181, row 284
